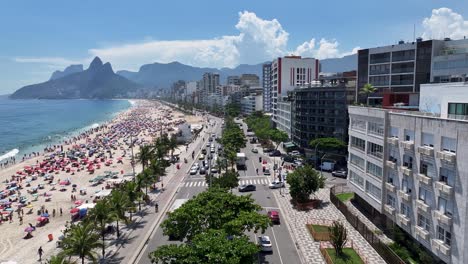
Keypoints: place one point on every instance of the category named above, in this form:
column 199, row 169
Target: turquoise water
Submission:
column 30, row 125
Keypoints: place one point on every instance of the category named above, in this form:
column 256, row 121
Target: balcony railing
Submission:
column 440, row 246
column 426, row 150
column 406, row 171
column 389, row 209
column 390, row 187
column 407, row 145
column 405, row 196
column 393, row 141
column 424, row 179
column 421, row 232
column 403, row 219
column 443, row 218
column 423, row 206
column 446, row 156
column 444, row 188
column 391, row 164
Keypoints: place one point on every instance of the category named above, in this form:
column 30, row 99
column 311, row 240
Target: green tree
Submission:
column 367, row 90
column 58, row 259
column 133, row 191
column 227, row 180
column 211, row 247
column 172, row 144
column 144, row 156
column 327, row 145
column 233, row 109
column 303, row 182
column 100, row 216
column 215, row 209
column 338, row 236
column 81, row 241
column 118, row 204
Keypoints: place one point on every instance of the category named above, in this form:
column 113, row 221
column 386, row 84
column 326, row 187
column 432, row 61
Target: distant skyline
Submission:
column 39, row 37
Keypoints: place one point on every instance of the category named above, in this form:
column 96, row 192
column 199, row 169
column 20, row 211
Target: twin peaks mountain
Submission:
column 97, row 82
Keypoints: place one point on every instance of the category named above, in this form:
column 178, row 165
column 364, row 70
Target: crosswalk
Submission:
column 241, row 182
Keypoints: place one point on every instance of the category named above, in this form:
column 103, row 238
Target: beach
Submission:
column 73, row 175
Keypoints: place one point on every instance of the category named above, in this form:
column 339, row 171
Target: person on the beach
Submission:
column 61, row 212
column 40, row 251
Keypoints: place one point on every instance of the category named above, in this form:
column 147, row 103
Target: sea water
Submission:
column 31, row 125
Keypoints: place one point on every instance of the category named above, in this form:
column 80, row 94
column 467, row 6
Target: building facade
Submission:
column 266, row 83
column 450, row 61
column 233, row 80
column 251, row 103
column 286, row 74
column 207, row 86
column 409, row 166
column 250, row 80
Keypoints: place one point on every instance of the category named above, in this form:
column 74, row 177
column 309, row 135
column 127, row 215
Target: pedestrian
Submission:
column 61, row 212
column 21, row 220
column 256, row 170
column 53, row 212
column 156, row 207
column 11, row 218
column 40, row 251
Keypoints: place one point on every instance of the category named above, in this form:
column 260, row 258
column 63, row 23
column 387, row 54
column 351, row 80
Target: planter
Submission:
column 318, row 232
column 311, row 204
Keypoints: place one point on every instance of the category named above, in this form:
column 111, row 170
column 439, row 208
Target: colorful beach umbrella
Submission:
column 74, row 210
column 29, row 229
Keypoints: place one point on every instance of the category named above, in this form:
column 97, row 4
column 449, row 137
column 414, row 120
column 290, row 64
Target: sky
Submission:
column 39, row 37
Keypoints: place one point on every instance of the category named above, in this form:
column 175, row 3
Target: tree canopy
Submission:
column 227, row 180
column 327, row 144
column 303, row 182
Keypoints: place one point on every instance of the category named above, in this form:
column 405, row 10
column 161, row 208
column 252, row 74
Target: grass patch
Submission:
column 349, row 256
column 345, row 196
column 320, row 228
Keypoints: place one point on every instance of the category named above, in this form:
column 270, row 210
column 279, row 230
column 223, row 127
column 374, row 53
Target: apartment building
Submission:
column 233, row 80
column 250, row 80
column 286, row 74
column 410, row 167
column 266, row 84
column 251, row 104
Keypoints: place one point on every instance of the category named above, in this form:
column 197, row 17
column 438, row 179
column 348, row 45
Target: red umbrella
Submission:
column 79, row 202
column 40, row 219
column 63, row 182
column 74, row 210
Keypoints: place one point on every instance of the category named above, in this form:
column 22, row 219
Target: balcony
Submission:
column 443, row 218
column 407, row 145
column 393, row 141
column 423, row 206
column 447, row 156
column 403, row 219
column 444, row 188
column 406, row 171
column 405, row 196
column 425, row 179
column 389, row 209
column 390, row 187
column 421, row 232
column 426, row 150
column 391, row 164
column 441, row 246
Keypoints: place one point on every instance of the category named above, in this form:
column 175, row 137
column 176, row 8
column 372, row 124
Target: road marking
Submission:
column 276, row 242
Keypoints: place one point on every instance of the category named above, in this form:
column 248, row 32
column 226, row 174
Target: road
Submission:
column 284, row 249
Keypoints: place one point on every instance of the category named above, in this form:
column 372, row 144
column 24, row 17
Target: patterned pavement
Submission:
column 309, row 248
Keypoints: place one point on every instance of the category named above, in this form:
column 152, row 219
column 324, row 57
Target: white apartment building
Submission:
column 411, row 167
column 287, row 73
column 251, row 103
column 266, row 81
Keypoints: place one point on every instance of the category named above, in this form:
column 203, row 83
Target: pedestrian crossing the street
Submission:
column 262, row 181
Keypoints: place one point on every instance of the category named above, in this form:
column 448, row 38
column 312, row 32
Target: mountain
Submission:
column 162, row 75
column 69, row 70
column 347, row 63
column 98, row 81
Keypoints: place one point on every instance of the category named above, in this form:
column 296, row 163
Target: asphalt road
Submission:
column 284, row 249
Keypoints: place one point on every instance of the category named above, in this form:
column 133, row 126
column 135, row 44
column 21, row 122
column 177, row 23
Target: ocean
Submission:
column 30, row 125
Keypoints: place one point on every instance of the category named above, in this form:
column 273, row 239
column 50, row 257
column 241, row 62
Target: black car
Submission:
column 203, row 151
column 288, row 158
column 202, row 170
column 247, row 188
column 274, row 153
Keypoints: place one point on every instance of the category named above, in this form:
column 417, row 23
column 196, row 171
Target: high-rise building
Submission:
column 250, row 80
column 286, row 74
column 233, row 80
column 409, row 166
column 208, row 85
column 266, row 81
column 251, row 103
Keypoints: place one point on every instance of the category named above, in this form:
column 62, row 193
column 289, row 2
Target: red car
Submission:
column 274, row 216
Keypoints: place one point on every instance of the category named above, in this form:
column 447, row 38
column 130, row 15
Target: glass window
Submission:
column 445, row 206
column 374, row 150
column 390, row 178
column 424, row 222
column 355, row 178
column 449, row 144
column 424, row 195
column 391, row 200
column 426, row 168
column 409, row 135
column 358, row 143
column 373, row 190
column 394, row 132
column 376, row 129
column 444, row 235
column 447, row 176
column 374, row 169
column 356, row 160
column 405, row 185
column 405, row 210
column 408, row 161
column 358, row 124
column 428, row 139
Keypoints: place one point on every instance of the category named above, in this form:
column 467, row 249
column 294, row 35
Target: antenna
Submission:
column 414, row 32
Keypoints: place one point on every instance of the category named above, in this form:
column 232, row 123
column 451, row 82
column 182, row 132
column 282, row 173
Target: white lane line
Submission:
column 276, row 242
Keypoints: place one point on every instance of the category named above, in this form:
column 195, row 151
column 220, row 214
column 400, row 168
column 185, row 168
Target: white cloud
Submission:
column 445, row 23
column 258, row 40
column 51, row 61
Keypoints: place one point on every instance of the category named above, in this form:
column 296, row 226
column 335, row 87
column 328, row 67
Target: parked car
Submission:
column 203, row 151
column 288, row 158
column 340, row 173
column 202, row 170
column 214, row 170
column 274, row 216
column 212, row 150
column 294, row 153
column 202, row 157
column 254, row 150
column 265, row 243
column 193, row 171
column 247, row 188
column 268, row 150
column 276, row 184
column 275, row 153
column 208, row 144
column 266, row 172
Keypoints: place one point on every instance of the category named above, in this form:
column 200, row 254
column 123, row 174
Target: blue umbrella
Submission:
column 45, row 215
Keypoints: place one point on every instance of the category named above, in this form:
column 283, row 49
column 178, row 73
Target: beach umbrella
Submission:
column 79, row 202
column 45, row 215
column 29, row 206
column 74, row 210
column 63, row 183
column 29, row 229
column 5, row 213
column 40, row 219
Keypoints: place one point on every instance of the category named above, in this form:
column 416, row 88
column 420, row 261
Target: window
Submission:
column 374, row 150
column 374, row 169
column 427, row 169
column 449, row 144
column 373, row 190
column 355, row 178
column 405, row 185
column 405, row 210
column 445, row 206
column 391, row 200
column 424, row 222
column 393, row 155
column 358, row 124
column 358, row 143
column 408, row 161
column 390, row 178
column 394, row 132
column 356, row 160
column 428, row 140
column 424, row 195
column 447, row 176
column 457, row 110
column 376, row 129
column 409, row 135
column 444, row 235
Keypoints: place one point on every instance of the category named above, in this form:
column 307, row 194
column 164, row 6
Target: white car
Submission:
column 294, row 153
column 193, row 171
column 265, row 243
column 276, row 184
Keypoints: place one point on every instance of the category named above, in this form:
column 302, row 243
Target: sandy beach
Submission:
column 67, row 176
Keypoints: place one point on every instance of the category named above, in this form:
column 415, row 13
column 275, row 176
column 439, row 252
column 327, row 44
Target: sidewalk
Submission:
column 309, row 248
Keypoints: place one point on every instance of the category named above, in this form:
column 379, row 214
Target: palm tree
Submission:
column 118, row 202
column 133, row 190
column 367, row 90
column 144, row 156
column 172, row 145
column 58, row 259
column 100, row 216
column 81, row 241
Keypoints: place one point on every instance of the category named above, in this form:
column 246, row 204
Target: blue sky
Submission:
column 38, row 37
